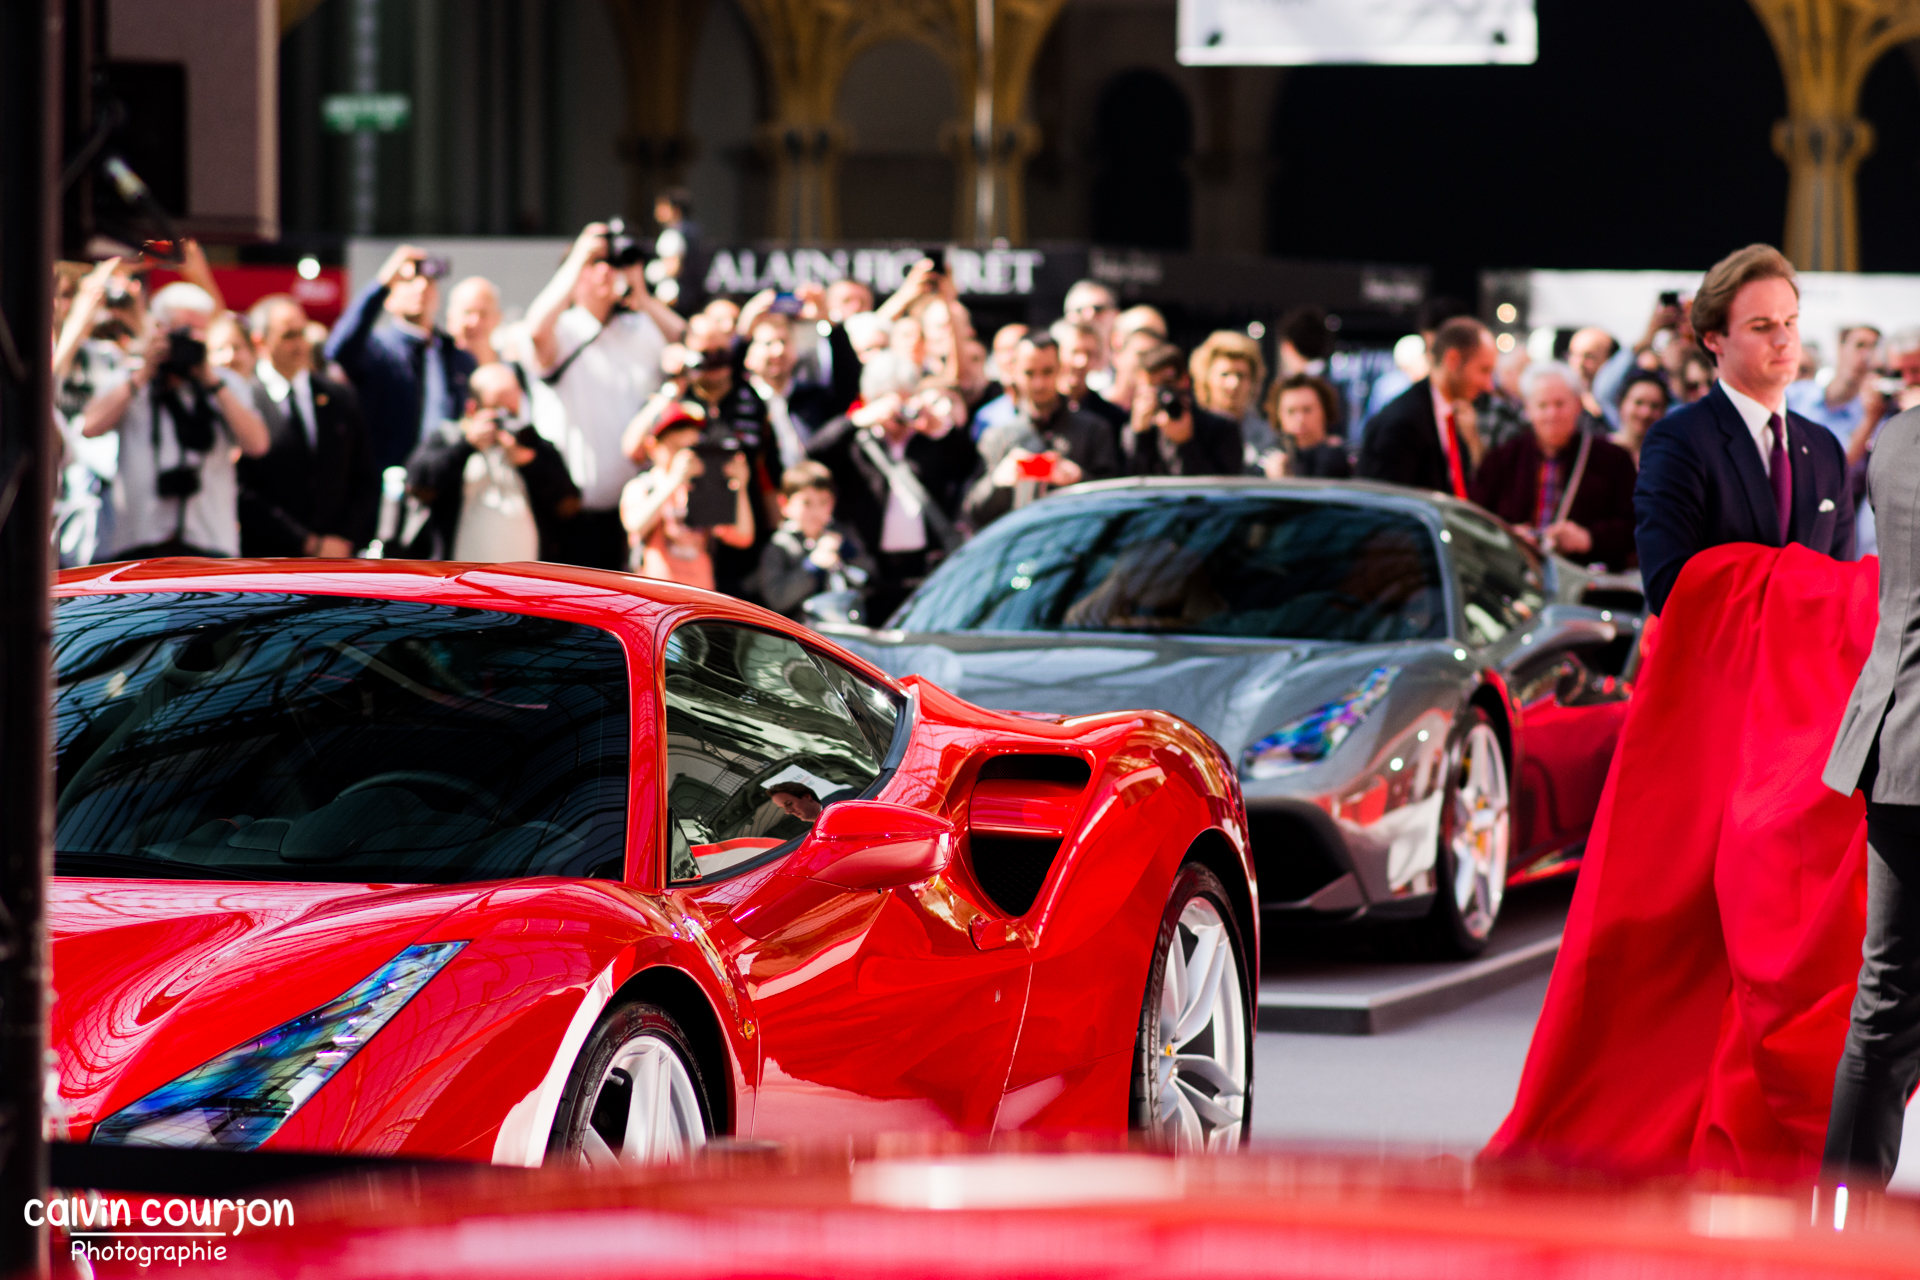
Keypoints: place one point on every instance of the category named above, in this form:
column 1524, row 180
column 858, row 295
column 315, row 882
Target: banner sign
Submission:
column 976, row 272
column 1402, row 32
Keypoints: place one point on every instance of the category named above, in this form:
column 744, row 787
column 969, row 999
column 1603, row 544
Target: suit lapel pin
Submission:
column 322, row 399
column 1826, row 505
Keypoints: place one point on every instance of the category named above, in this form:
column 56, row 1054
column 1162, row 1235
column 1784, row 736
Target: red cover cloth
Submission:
column 1700, row 999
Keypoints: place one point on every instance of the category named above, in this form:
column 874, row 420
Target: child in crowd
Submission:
column 653, row 506
column 811, row 552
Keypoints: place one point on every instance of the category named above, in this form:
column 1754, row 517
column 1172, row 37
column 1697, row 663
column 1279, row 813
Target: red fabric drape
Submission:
column 1700, row 1000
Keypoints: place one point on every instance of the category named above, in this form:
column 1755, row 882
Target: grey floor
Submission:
column 1439, row 1085
column 1444, row 1083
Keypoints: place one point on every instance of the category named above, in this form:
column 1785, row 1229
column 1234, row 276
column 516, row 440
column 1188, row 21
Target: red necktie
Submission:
column 1452, row 441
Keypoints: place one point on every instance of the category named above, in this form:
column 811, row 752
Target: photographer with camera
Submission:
column 694, row 494
column 597, row 337
column 900, row 465
column 489, row 487
column 702, row 373
column 407, row 373
column 178, row 420
column 1167, row 434
column 1046, row 446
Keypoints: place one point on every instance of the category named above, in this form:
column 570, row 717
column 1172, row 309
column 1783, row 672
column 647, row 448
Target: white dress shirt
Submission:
column 209, row 519
column 903, row 527
column 1755, row 415
column 300, row 387
column 612, row 379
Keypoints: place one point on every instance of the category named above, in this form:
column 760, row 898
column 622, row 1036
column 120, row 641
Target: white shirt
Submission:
column 496, row 524
column 1755, row 415
column 300, row 388
column 791, row 436
column 140, row 515
column 903, row 527
column 601, row 391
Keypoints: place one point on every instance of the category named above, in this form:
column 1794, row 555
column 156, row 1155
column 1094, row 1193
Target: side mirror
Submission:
column 1558, row 628
column 867, row 844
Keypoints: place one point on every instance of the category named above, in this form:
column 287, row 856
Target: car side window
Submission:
column 875, row 709
column 759, row 740
column 1500, row 583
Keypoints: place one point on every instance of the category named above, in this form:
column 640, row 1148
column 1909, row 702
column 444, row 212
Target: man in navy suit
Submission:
column 1735, row 466
column 409, row 375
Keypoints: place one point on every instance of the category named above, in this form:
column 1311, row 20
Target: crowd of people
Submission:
column 822, row 441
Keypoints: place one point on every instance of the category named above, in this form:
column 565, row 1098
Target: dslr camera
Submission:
column 1173, row 403
column 185, row 353
column 624, row 249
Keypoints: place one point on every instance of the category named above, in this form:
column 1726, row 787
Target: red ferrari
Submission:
column 525, row 863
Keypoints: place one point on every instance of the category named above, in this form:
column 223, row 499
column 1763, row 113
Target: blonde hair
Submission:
column 1226, row 344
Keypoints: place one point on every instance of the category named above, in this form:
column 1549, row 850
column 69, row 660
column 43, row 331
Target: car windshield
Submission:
column 1210, row 564
column 257, row 736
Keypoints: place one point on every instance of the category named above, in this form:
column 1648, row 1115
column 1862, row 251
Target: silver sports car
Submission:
column 1422, row 708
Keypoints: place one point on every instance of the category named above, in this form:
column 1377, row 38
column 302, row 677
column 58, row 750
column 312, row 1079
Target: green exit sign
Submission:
column 366, row 112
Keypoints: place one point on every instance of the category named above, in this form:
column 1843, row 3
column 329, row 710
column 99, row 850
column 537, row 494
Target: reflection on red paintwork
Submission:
column 916, row 1208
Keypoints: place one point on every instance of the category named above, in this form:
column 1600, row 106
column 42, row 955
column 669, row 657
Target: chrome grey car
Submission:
column 1422, row 708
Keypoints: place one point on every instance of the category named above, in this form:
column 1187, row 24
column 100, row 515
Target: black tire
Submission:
column 1451, row 931
column 619, row 1027
column 1150, row 1062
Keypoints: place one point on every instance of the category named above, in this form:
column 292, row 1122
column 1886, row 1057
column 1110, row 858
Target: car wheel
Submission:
column 1193, row 1059
column 1476, row 824
column 635, row 1095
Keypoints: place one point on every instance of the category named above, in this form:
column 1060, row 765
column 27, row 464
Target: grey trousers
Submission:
column 1881, row 1062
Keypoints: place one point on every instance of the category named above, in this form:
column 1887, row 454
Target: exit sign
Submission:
column 366, row 112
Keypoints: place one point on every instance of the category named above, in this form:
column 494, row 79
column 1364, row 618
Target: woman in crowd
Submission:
column 1305, row 408
column 1644, row 400
column 1228, row 372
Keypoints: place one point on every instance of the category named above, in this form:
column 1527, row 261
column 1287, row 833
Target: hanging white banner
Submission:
column 1402, row 32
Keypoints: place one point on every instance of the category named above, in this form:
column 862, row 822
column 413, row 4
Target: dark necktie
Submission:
column 298, row 419
column 1781, row 475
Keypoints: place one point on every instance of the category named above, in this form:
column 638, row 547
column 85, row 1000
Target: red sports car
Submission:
column 520, row 863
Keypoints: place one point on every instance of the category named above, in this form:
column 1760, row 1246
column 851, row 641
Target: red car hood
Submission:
column 151, row 978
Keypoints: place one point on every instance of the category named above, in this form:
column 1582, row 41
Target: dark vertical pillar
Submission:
column 30, row 127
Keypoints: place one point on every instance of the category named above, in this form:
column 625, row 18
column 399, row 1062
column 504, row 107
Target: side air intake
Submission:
column 1023, row 806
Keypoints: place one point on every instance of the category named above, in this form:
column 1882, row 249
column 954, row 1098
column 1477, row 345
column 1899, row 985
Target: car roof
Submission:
column 566, row 587
column 567, row 592
column 1365, row 493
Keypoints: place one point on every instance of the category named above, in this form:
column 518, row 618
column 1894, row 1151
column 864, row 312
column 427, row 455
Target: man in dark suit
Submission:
column 315, row 492
column 409, row 375
column 1875, row 752
column 1417, row 440
column 1167, row 434
column 1735, row 466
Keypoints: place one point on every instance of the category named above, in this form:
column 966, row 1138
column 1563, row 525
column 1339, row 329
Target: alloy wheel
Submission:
column 1200, row 1059
column 1480, row 831
column 646, row 1109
